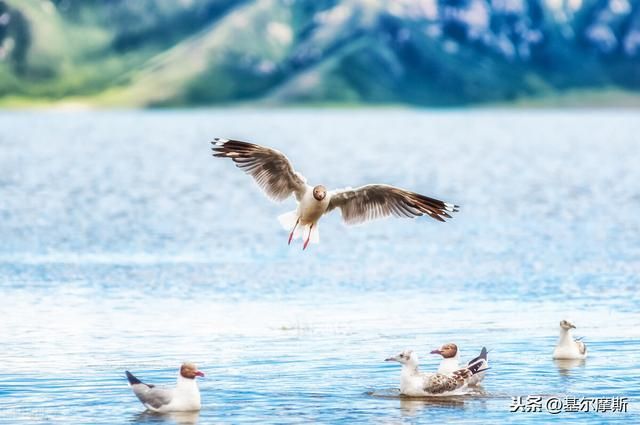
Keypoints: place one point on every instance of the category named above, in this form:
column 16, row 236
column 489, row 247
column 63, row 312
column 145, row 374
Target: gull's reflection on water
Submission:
column 565, row 366
column 409, row 406
column 179, row 418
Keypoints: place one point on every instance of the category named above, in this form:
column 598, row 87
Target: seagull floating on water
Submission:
column 451, row 358
column 567, row 347
column 184, row 397
column 418, row 384
column 276, row 176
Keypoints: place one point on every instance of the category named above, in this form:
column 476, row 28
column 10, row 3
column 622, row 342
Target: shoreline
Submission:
column 577, row 99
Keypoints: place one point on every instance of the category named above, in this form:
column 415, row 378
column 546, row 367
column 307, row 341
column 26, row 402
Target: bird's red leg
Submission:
column 293, row 230
column 308, row 237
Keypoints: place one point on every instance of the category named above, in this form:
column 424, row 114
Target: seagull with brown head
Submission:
column 276, row 176
column 451, row 362
column 184, row 397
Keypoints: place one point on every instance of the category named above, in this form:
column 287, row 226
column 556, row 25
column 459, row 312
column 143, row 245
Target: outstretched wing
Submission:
column 379, row 200
column 270, row 168
column 149, row 395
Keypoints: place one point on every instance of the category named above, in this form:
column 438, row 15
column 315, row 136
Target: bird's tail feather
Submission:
column 315, row 234
column 288, row 220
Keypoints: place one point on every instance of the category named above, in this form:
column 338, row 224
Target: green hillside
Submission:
column 203, row 52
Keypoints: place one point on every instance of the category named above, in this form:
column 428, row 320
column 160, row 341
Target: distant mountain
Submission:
column 427, row 52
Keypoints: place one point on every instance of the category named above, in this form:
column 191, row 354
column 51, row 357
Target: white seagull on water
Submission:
column 275, row 174
column 567, row 347
column 450, row 362
column 418, row 384
column 184, row 397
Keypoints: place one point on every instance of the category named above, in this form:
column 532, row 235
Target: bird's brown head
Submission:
column 190, row 371
column 447, row 351
column 565, row 324
column 319, row 192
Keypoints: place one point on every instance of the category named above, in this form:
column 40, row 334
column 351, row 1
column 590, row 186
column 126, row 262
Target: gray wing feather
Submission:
column 271, row 169
column 152, row 396
column 582, row 347
column 378, row 200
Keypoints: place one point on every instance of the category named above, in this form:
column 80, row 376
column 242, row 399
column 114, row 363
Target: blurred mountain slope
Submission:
column 420, row 52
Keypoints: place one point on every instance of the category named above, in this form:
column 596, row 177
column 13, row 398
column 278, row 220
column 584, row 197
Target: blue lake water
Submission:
column 125, row 245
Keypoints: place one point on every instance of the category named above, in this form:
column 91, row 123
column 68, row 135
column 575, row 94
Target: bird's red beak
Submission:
column 198, row 373
column 436, row 352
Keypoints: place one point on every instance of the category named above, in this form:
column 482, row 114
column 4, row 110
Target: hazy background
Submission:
column 331, row 52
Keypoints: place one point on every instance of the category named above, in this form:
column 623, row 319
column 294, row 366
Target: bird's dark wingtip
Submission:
column 449, row 207
column 132, row 379
column 483, row 353
column 437, row 217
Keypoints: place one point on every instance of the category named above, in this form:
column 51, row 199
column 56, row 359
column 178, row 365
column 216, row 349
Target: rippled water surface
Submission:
column 125, row 245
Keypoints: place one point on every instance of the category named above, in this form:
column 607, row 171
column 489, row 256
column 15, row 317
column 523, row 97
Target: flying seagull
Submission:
column 185, row 397
column 275, row 175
